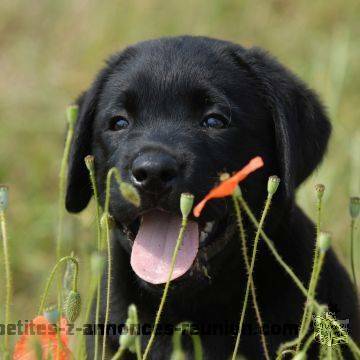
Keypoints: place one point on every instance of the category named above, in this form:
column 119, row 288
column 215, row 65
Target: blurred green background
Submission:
column 51, row 50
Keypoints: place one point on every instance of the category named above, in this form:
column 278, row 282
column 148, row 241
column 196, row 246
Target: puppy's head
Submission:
column 171, row 115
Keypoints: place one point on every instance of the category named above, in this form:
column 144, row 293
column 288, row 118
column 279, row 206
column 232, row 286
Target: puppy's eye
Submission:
column 214, row 122
column 118, row 123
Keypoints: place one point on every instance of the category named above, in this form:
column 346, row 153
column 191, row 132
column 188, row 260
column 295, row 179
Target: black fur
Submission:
column 166, row 87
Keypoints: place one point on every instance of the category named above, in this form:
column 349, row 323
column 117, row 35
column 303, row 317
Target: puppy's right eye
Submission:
column 118, row 123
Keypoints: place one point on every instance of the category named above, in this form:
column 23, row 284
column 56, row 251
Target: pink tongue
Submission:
column 155, row 243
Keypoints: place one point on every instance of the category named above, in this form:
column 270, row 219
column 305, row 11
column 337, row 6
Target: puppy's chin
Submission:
column 214, row 237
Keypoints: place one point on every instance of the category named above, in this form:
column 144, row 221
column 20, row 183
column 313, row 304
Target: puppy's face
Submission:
column 173, row 114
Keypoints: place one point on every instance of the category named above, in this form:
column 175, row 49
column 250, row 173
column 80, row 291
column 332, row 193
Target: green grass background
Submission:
column 50, row 51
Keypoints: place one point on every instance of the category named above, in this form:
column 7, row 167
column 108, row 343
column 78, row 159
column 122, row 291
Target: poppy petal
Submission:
column 227, row 187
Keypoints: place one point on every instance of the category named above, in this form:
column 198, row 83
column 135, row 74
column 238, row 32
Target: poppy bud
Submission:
column 319, row 188
column 354, row 207
column 51, row 314
column 324, row 241
column 273, row 184
column 4, row 197
column 72, row 306
column 89, row 162
column 70, row 272
column 97, row 263
column 186, row 204
column 178, row 354
column 132, row 314
column 300, row 356
column 72, row 114
column 224, row 176
column 127, row 340
column 130, row 193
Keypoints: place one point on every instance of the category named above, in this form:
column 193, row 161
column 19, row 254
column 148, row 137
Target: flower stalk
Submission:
column 247, row 264
column 273, row 184
column 188, row 203
column 4, row 200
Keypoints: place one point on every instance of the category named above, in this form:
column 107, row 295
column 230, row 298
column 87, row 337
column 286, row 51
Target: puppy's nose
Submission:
column 154, row 172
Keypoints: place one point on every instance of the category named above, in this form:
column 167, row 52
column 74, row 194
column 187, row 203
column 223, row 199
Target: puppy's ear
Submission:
column 302, row 128
column 79, row 186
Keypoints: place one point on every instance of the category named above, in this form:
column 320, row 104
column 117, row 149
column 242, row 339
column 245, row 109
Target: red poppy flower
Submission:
column 39, row 329
column 227, row 187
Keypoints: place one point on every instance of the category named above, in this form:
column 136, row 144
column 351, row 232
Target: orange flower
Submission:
column 227, row 187
column 39, row 329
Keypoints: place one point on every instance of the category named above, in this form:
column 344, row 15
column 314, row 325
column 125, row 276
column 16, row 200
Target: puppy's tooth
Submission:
column 203, row 236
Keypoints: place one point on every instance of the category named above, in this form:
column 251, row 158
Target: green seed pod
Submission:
column 132, row 314
column 4, row 197
column 51, row 314
column 89, row 162
column 72, row 306
column 186, row 204
column 130, row 193
column 178, row 354
column 300, row 356
column 68, row 279
column 324, row 241
column 97, row 263
column 273, row 184
column 72, row 114
column 320, row 189
column 354, row 207
column 224, row 176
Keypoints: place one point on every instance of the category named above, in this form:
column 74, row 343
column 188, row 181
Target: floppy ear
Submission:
column 302, row 128
column 79, row 189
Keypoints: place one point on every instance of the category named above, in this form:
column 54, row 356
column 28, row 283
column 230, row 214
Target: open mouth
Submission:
column 153, row 238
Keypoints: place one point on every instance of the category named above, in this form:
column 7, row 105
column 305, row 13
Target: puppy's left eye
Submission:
column 214, row 122
column 118, row 123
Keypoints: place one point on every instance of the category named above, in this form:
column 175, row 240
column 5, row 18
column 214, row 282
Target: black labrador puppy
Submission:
column 172, row 114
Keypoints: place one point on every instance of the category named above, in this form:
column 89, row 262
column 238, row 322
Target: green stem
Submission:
column 252, row 265
column 118, row 354
column 108, row 284
column 111, row 172
column 185, row 327
column 81, row 353
column 7, row 277
column 252, row 285
column 273, row 250
column 352, row 253
column 166, row 289
column 51, row 277
column 306, row 320
column 351, row 343
column 61, row 213
column 99, row 246
column 308, row 308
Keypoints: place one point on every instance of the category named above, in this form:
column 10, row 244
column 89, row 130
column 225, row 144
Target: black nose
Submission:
column 154, row 172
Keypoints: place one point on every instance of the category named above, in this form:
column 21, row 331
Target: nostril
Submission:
column 140, row 175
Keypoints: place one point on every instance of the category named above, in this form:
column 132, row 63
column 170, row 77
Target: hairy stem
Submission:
column 308, row 308
column 251, row 269
column 8, row 279
column 252, row 285
column 166, row 288
column 92, row 174
column 51, row 278
column 352, row 254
